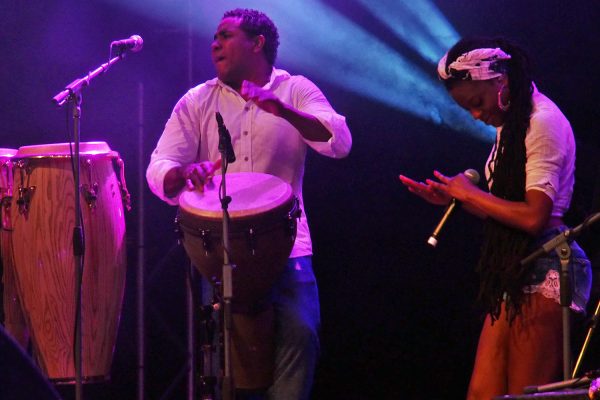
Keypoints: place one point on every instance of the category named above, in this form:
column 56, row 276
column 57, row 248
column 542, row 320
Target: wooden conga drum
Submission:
column 262, row 229
column 14, row 321
column 43, row 221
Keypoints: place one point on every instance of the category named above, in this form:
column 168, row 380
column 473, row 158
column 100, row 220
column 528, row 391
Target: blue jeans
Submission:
column 297, row 322
column 580, row 272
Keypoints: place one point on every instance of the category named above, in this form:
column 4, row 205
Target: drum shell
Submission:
column 259, row 257
column 262, row 231
column 14, row 320
column 43, row 252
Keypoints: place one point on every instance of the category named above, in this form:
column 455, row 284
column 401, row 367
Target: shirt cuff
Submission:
column 155, row 175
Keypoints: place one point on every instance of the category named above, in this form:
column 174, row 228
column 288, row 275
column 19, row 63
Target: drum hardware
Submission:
column 294, row 214
column 119, row 167
column 252, row 241
column 5, row 206
column 25, row 191
column 43, row 237
column 13, row 317
column 561, row 245
column 90, row 193
column 25, row 195
column 262, row 231
column 206, row 242
column 89, row 190
column 206, row 383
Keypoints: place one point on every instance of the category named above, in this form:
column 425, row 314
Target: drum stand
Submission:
column 560, row 244
column 72, row 94
column 227, row 156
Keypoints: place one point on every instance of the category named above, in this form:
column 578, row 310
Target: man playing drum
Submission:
column 273, row 118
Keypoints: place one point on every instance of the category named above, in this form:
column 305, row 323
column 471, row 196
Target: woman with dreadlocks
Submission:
column 530, row 176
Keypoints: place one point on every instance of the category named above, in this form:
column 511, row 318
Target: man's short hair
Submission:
column 256, row 23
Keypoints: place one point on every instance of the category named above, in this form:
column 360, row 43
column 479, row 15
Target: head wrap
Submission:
column 476, row 65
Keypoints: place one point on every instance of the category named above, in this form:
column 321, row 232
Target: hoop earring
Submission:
column 501, row 105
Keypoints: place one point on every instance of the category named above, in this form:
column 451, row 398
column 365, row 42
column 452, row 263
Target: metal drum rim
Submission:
column 61, row 150
column 187, row 198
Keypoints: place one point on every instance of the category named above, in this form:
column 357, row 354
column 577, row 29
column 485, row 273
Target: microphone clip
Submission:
column 225, row 146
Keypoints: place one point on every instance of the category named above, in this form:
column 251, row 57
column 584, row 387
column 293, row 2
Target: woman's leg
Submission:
column 489, row 376
column 535, row 344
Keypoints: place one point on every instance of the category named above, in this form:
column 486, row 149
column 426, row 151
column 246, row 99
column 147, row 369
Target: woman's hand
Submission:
column 459, row 186
column 426, row 190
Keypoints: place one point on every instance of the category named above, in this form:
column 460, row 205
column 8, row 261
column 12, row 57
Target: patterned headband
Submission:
column 476, row 65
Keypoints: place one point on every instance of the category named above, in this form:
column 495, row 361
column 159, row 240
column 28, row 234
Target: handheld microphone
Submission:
column 433, row 239
column 225, row 146
column 134, row 44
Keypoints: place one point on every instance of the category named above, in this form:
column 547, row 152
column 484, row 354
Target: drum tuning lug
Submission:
column 5, row 202
column 24, row 198
column 206, row 242
column 252, row 241
column 177, row 230
column 90, row 193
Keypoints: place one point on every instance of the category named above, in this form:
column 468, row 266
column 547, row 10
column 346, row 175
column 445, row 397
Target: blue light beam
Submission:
column 420, row 24
column 322, row 43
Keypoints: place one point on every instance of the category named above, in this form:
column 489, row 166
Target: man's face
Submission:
column 232, row 51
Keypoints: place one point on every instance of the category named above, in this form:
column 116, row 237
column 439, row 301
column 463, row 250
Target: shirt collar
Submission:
column 277, row 76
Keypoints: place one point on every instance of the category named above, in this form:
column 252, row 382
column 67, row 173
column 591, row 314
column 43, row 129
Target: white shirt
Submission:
column 261, row 141
column 550, row 152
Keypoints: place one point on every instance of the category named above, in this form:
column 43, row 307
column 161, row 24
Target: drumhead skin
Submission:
column 61, row 150
column 7, row 153
column 251, row 193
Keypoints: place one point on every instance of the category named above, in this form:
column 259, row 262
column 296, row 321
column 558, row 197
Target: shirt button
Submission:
column 245, row 158
column 246, row 108
column 245, row 133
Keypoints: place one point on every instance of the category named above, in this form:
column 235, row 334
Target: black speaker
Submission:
column 20, row 378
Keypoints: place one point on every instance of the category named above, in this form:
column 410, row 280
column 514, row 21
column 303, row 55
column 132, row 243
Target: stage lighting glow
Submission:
column 418, row 23
column 323, row 44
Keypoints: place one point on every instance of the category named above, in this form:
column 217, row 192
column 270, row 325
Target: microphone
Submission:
column 433, row 239
column 134, row 43
column 225, row 147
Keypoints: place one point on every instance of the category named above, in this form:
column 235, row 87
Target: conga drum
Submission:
column 14, row 321
column 263, row 213
column 43, row 222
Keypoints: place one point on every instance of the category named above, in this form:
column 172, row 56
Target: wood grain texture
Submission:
column 14, row 320
column 46, row 274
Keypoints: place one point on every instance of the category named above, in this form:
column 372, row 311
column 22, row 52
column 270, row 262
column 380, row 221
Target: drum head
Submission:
column 7, row 153
column 251, row 193
column 61, row 150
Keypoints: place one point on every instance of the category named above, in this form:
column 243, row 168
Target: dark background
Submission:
column 399, row 319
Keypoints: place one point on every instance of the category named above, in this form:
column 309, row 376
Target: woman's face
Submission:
column 480, row 98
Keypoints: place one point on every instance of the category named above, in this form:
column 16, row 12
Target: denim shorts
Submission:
column 545, row 274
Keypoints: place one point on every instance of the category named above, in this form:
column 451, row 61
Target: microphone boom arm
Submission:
column 75, row 87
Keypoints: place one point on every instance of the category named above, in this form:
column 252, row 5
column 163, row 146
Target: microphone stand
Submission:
column 227, row 156
column 72, row 94
column 560, row 244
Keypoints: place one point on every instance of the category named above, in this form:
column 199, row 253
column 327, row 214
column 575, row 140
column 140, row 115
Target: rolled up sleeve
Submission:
column 178, row 145
column 546, row 154
column 311, row 100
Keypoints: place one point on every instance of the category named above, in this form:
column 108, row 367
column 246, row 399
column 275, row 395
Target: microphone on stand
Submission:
column 224, row 139
column 134, row 44
column 433, row 239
